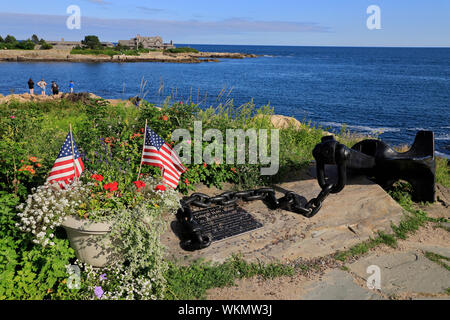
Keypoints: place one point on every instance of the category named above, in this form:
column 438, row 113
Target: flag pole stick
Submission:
column 73, row 153
column 143, row 147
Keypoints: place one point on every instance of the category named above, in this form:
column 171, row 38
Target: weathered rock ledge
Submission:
column 61, row 55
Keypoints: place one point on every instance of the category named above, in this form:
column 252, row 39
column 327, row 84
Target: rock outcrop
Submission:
column 64, row 55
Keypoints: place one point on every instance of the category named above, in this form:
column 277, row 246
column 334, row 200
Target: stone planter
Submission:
column 87, row 239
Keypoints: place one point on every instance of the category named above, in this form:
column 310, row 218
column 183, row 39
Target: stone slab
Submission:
column 405, row 272
column 355, row 214
column 337, row 285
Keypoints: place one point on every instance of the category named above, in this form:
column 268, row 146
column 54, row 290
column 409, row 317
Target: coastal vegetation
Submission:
column 182, row 50
column 90, row 49
column 109, row 51
column 91, row 45
column 110, row 138
column 11, row 43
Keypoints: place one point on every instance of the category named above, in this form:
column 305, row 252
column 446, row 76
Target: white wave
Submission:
column 442, row 155
column 417, row 129
column 361, row 128
column 444, row 136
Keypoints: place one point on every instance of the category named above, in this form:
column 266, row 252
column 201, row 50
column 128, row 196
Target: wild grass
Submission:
column 443, row 172
column 193, row 281
column 439, row 259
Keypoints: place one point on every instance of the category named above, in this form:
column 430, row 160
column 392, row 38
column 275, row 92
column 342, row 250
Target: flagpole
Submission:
column 143, row 147
column 73, row 152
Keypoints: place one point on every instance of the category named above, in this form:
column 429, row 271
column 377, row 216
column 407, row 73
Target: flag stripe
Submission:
column 62, row 168
column 62, row 171
column 168, row 159
column 156, row 152
column 67, row 165
column 164, row 160
column 170, row 182
column 62, row 176
column 170, row 156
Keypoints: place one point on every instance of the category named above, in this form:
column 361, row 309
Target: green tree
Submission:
column 91, row 42
column 25, row 45
column 10, row 39
column 1, row 39
column 35, row 39
column 46, row 46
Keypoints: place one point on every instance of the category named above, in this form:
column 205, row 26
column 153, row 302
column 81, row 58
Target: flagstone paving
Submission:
column 405, row 273
column 337, row 285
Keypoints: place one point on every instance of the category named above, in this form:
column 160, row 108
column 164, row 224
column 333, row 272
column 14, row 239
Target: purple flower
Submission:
column 103, row 276
column 98, row 292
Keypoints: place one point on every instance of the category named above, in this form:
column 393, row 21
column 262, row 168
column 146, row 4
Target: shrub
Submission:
column 182, row 50
column 10, row 39
column 46, row 46
column 91, row 42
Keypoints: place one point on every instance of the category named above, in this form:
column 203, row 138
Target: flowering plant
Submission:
column 48, row 205
column 46, row 208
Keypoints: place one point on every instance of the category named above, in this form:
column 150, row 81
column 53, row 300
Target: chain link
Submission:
column 290, row 201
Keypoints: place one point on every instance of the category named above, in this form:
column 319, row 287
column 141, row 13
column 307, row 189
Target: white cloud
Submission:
column 150, row 10
column 54, row 27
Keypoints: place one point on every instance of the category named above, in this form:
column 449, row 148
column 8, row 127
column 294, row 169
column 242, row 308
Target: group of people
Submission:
column 42, row 84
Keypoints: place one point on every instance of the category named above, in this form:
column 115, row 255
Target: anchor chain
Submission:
column 328, row 152
column 291, row 201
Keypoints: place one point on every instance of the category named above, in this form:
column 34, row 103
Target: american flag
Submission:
column 65, row 167
column 159, row 154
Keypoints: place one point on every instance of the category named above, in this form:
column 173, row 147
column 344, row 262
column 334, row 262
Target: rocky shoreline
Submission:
column 64, row 55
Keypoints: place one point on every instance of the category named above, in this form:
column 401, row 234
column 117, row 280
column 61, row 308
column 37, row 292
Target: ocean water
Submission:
column 393, row 90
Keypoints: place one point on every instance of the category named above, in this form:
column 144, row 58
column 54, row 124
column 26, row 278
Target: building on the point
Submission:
column 146, row 43
column 72, row 44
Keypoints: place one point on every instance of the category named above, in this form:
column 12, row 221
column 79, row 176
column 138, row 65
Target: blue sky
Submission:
column 257, row 22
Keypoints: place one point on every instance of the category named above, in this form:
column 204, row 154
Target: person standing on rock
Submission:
column 55, row 88
column 31, row 86
column 71, row 86
column 42, row 84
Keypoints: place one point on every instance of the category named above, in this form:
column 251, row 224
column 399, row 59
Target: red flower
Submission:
column 205, row 165
column 111, row 186
column 97, row 177
column 233, row 169
column 135, row 135
column 186, row 181
column 160, row 187
column 165, row 118
column 141, row 130
column 139, row 184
